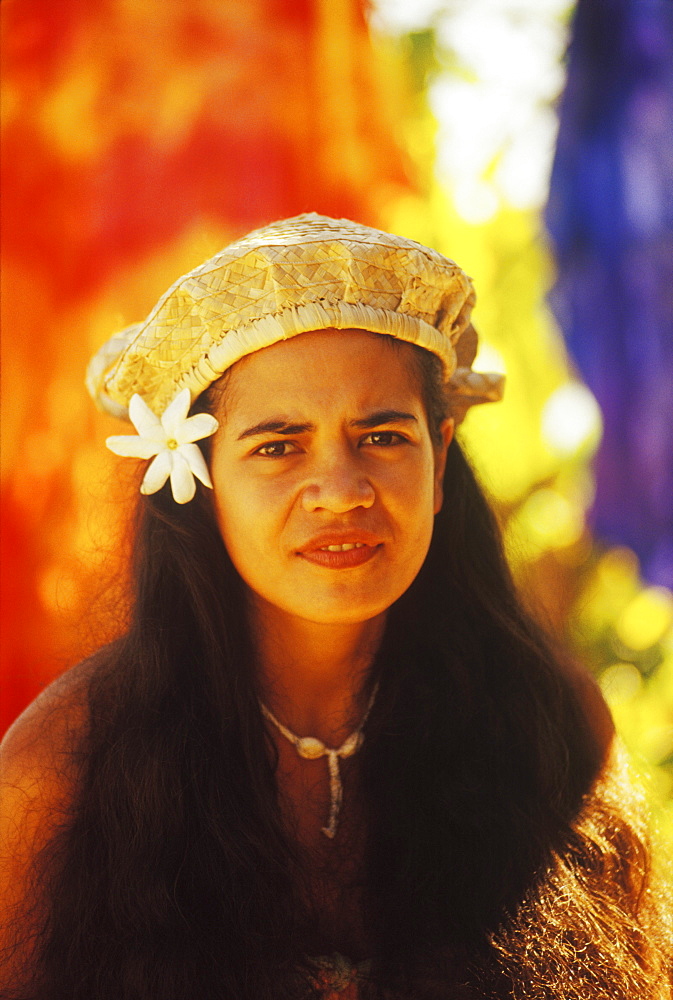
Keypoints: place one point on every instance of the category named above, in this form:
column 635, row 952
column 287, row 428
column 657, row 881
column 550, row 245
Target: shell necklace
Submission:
column 311, row 749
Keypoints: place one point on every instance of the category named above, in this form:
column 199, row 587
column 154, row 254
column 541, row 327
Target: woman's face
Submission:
column 325, row 477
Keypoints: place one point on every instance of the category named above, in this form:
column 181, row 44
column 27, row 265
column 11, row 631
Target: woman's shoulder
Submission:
column 47, row 728
column 38, row 779
column 38, row 760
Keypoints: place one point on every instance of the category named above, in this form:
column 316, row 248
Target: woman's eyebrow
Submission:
column 383, row 417
column 275, row 427
column 363, row 423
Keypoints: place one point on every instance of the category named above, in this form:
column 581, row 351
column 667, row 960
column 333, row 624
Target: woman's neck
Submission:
column 312, row 675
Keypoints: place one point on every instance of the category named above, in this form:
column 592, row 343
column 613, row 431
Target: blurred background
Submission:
column 532, row 140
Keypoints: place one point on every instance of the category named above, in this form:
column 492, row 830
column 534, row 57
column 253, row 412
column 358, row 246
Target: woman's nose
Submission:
column 338, row 485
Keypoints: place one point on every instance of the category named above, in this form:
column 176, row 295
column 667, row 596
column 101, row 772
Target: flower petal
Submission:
column 196, row 462
column 145, row 422
column 132, row 446
column 175, row 413
column 158, row 472
column 201, row 425
column 182, row 480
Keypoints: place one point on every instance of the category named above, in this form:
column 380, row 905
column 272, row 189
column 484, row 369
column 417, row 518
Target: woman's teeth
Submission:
column 346, row 547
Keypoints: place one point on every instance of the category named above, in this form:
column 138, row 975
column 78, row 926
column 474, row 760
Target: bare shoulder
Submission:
column 38, row 772
column 45, row 732
column 38, row 780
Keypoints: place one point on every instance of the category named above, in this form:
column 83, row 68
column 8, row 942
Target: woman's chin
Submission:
column 330, row 610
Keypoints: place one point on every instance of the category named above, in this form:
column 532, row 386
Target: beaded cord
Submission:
column 311, row 748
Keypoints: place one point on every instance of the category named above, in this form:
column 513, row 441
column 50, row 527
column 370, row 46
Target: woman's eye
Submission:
column 384, row 439
column 276, row 449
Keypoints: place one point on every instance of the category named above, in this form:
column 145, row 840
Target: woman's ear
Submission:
column 446, row 429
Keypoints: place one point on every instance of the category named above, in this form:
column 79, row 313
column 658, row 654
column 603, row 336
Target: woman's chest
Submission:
column 332, row 867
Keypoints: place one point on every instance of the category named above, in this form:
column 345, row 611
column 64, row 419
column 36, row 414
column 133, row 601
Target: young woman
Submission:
column 331, row 756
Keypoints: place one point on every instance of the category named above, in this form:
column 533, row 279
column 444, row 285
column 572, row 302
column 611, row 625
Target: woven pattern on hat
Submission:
column 301, row 274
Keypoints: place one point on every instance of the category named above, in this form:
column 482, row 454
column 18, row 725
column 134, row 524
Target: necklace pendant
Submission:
column 310, row 748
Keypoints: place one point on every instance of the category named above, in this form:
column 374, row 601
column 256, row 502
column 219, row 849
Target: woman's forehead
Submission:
column 325, row 367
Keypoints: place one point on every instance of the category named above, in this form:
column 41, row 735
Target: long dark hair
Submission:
column 175, row 876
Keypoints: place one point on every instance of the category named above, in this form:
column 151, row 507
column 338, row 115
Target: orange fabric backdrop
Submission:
column 138, row 139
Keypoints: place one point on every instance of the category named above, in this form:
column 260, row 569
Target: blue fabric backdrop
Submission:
column 610, row 215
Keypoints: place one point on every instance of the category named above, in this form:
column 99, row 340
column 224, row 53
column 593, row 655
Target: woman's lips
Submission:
column 340, row 555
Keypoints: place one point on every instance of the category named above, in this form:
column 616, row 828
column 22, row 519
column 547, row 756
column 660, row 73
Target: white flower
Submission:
column 171, row 440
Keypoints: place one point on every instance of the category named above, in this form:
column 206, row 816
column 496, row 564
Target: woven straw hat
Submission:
column 300, row 274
